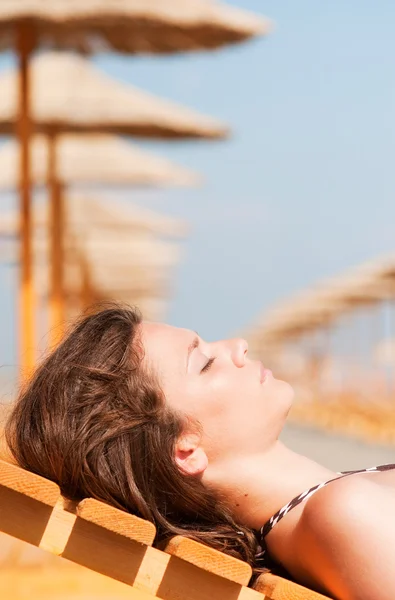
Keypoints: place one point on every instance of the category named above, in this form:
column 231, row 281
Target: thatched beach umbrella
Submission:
column 102, row 265
column 318, row 308
column 384, row 353
column 87, row 284
column 94, row 159
column 358, row 289
column 123, row 278
column 83, row 210
column 128, row 264
column 364, row 285
column 129, row 26
column 113, row 265
column 120, row 216
column 103, row 261
column 69, row 94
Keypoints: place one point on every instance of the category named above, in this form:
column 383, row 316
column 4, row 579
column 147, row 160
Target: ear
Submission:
column 190, row 456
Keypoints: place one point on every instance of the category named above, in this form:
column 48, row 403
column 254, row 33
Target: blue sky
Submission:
column 304, row 189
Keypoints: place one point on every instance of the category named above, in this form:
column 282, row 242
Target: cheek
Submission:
column 226, row 392
column 234, row 399
column 197, row 399
column 210, row 400
column 179, row 396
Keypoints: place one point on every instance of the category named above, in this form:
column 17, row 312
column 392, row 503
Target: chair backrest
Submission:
column 119, row 545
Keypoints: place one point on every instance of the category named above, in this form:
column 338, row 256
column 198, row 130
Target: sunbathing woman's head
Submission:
column 145, row 416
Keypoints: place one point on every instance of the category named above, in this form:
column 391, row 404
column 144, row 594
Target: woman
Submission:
column 158, row 422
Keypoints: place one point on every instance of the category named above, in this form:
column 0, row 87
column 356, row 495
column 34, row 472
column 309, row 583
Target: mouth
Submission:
column 264, row 373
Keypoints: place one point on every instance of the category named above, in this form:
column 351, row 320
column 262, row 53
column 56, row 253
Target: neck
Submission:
column 257, row 486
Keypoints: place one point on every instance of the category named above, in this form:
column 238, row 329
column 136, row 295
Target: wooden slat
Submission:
column 33, row 486
column 278, row 588
column 59, row 527
column 26, row 503
column 210, row 559
column 117, row 521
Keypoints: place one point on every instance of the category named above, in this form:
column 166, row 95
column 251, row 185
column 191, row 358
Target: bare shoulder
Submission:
column 351, row 508
column 343, row 498
column 344, row 539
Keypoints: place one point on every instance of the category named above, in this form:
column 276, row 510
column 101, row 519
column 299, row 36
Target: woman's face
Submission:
column 239, row 404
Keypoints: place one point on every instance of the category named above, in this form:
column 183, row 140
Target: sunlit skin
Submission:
column 241, row 410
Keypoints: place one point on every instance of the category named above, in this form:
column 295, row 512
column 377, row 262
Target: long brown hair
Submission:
column 93, row 420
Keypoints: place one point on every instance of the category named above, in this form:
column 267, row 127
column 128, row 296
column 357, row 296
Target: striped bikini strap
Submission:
column 280, row 514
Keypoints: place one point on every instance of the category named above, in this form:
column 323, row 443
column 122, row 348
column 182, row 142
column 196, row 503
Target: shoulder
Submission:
column 343, row 500
column 334, row 511
column 339, row 500
column 347, row 508
column 348, row 527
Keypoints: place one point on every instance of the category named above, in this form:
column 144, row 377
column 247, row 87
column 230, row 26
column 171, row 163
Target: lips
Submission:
column 264, row 373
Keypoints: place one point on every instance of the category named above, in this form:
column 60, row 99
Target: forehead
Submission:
column 165, row 346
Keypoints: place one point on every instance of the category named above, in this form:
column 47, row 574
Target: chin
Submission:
column 285, row 393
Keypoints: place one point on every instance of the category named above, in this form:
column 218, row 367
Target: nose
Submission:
column 239, row 351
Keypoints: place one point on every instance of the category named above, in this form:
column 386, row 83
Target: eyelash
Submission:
column 208, row 365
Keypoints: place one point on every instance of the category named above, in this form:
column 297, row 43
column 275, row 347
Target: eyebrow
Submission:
column 194, row 344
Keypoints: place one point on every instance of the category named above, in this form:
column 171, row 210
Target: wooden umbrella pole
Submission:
column 56, row 246
column 86, row 293
column 24, row 43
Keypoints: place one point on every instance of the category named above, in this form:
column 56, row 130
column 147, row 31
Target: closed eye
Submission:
column 208, row 365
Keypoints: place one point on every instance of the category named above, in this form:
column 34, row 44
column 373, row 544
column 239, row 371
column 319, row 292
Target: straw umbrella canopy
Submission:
column 139, row 276
column 121, row 216
column 104, row 262
column 320, row 307
column 122, row 264
column 97, row 158
column 130, row 26
column 84, row 210
column 102, row 265
column 112, row 265
column 369, row 283
column 68, row 94
column 384, row 352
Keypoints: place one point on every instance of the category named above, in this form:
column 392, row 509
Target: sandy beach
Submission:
column 334, row 451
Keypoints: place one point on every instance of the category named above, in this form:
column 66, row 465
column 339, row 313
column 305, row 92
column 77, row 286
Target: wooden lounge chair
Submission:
column 119, row 545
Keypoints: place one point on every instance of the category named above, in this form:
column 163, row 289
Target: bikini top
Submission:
column 280, row 514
